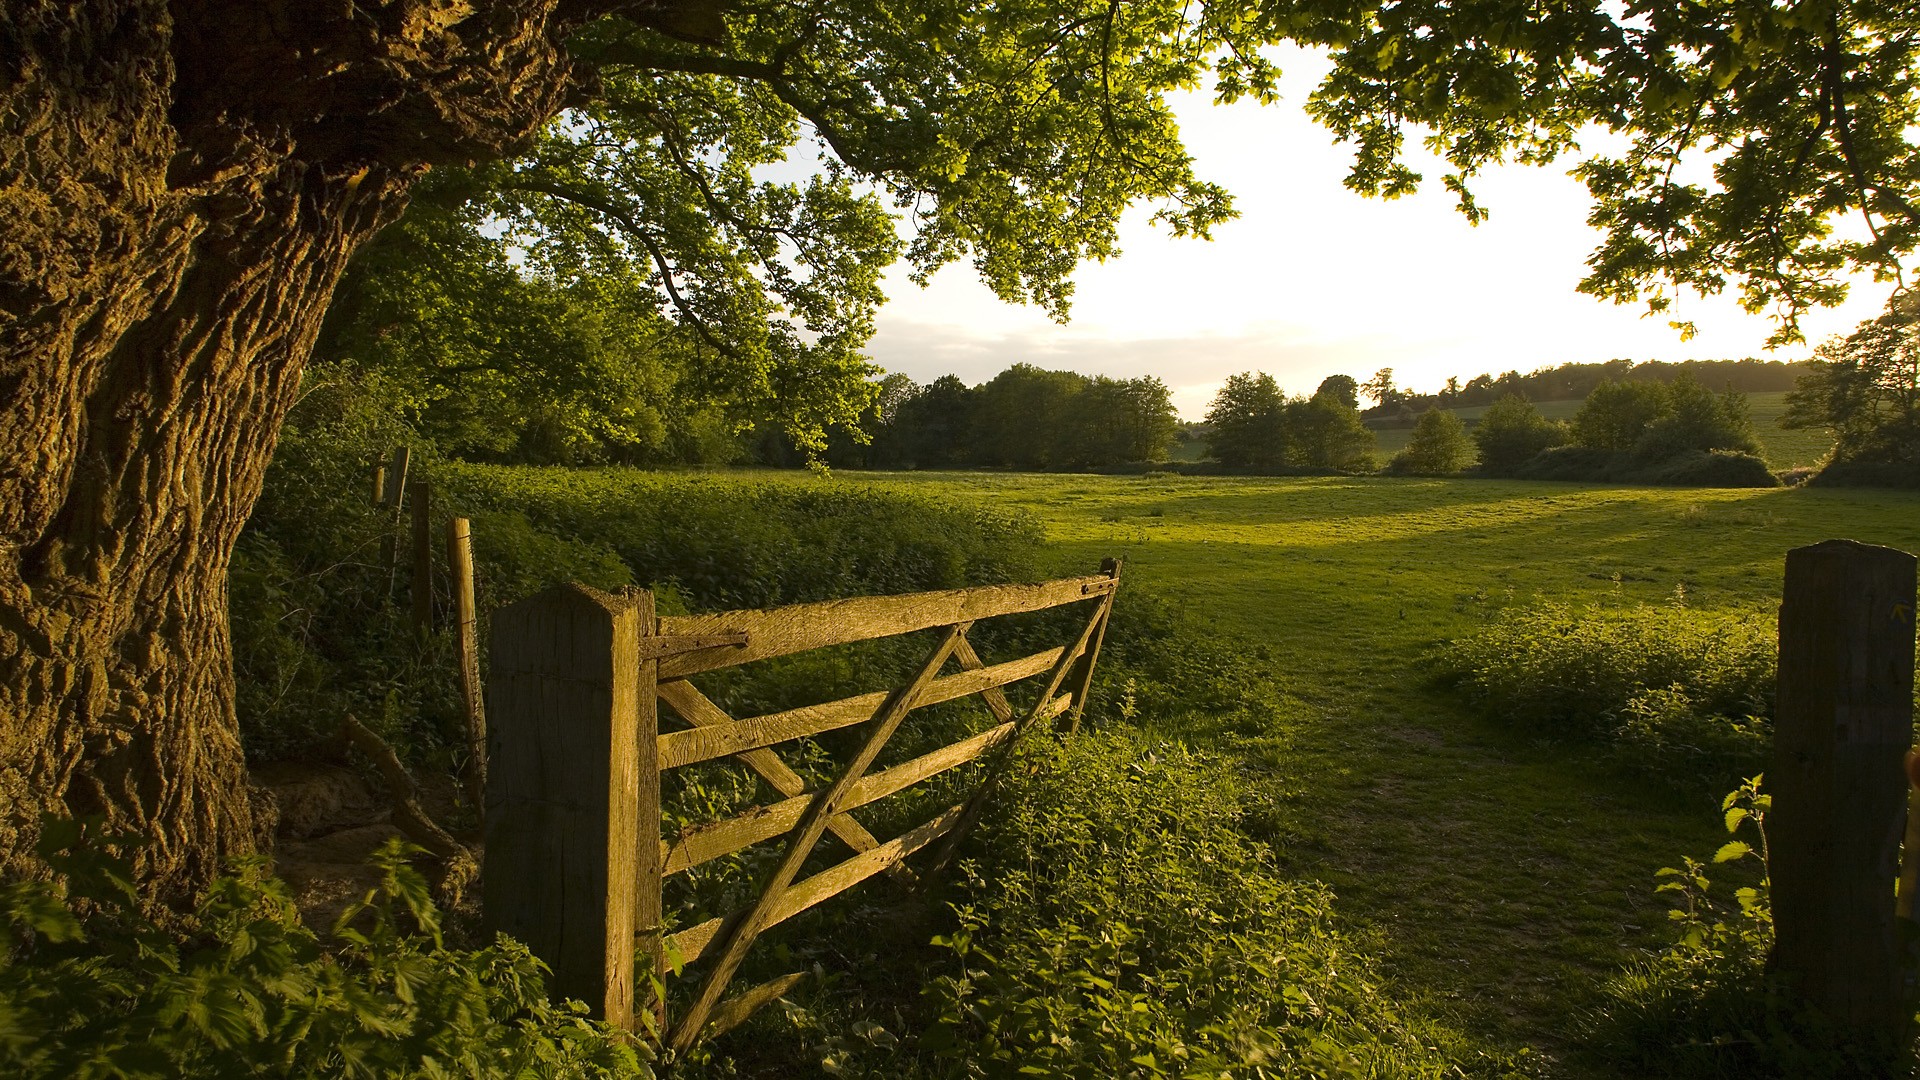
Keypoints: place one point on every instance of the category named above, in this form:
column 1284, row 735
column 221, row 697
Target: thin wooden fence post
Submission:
column 379, row 483
column 393, row 496
column 466, row 629
column 649, row 917
column 1843, row 720
column 421, row 493
column 563, row 793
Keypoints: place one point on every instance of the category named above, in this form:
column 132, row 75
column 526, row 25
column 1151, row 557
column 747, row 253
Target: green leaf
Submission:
column 1731, row 850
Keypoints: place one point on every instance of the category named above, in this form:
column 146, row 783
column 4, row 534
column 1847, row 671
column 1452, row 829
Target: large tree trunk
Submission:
column 180, row 187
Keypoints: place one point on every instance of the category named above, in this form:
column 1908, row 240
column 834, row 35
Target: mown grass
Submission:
column 1784, row 449
column 1501, row 876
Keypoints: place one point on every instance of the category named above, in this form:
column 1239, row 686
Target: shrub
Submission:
column 1712, row 468
column 1684, row 693
column 1114, row 921
column 251, row 992
column 1574, row 463
column 1510, row 432
column 1440, row 446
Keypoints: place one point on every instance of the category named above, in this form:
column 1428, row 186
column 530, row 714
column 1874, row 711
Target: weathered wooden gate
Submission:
column 575, row 857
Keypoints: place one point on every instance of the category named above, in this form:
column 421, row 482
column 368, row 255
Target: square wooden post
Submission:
column 1843, row 721
column 563, row 786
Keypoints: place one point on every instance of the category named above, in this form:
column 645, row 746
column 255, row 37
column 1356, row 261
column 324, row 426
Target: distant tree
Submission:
column 1696, row 418
column 1616, row 414
column 935, row 427
column 1249, row 422
column 1380, row 387
column 1327, row 433
column 1115, row 420
column 1023, row 415
column 1512, row 431
column 1866, row 387
column 1440, row 446
column 1341, row 387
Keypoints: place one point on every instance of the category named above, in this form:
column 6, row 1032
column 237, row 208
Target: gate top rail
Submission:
column 803, row 627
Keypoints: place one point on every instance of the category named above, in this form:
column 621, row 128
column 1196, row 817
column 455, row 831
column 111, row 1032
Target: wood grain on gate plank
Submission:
column 710, row 841
column 801, row 627
column 825, row 885
column 706, row 742
column 695, row 708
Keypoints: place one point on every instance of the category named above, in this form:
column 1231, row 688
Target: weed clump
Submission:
column 250, row 991
column 1682, row 693
column 1115, row 920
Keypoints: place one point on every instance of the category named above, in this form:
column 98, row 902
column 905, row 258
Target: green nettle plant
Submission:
column 1706, row 1006
column 92, row 987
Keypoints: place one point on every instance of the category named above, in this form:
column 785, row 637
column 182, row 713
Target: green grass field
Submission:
column 1784, row 449
column 1500, row 877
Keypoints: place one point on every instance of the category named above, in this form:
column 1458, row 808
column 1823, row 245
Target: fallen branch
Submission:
column 458, row 867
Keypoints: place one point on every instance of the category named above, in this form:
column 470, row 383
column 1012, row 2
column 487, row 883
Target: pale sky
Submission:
column 1313, row 280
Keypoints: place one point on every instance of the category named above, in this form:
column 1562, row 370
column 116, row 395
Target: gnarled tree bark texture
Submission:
column 181, row 185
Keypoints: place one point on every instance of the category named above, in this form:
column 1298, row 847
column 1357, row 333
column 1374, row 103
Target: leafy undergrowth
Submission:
column 1118, row 921
column 1705, row 1007
column 248, row 990
column 1685, row 695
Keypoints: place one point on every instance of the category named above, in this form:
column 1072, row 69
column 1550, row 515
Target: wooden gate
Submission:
column 575, row 855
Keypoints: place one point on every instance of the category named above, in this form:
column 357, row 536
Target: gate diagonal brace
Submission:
column 807, row 834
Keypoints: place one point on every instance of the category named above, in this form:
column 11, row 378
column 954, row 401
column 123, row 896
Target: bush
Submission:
column 1440, row 446
column 1575, row 463
column 1512, row 431
column 1904, row 475
column 1114, row 921
column 1712, row 468
column 1683, row 693
column 251, row 992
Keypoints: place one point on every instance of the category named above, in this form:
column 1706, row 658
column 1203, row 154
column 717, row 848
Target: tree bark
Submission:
column 181, row 186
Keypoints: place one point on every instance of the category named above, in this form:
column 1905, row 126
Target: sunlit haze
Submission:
column 1313, row 279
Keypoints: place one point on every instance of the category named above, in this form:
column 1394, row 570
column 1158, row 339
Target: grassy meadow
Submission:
column 1500, row 877
column 1784, row 449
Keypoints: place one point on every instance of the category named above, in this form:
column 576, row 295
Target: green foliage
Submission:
column 1511, row 432
column 1866, row 387
column 1688, row 468
column 1704, row 1007
column 1247, row 422
column 1257, row 427
column 1616, row 414
column 1115, row 921
column 1440, row 446
column 322, row 630
column 1683, row 693
column 1696, row 420
column 1716, row 468
column 1746, row 134
column 250, row 991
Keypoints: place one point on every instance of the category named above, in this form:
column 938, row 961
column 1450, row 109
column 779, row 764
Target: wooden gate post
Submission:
column 565, row 754
column 1844, row 719
column 466, row 629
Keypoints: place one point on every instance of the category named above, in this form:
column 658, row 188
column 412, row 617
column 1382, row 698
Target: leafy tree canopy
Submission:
column 1866, row 387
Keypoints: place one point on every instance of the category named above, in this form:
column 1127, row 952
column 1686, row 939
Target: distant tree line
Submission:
column 1678, row 432
column 1026, row 417
column 1572, row 382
